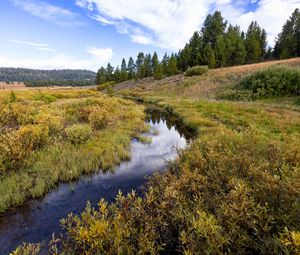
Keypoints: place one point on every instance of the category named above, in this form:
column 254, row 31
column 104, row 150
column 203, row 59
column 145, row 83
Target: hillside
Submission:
column 23, row 75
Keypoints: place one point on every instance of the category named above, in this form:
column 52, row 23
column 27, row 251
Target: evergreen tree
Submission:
column 101, row 76
column 131, row 68
column 154, row 61
column 165, row 62
column 184, row 58
column 124, row 74
column 158, row 72
column 172, row 68
column 255, row 43
column 195, row 46
column 288, row 41
column 209, row 56
column 117, row 75
column 214, row 26
column 109, row 72
column 220, row 52
column 148, row 66
column 235, row 48
column 140, row 67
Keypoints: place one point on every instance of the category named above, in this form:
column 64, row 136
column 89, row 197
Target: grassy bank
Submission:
column 49, row 136
column 234, row 190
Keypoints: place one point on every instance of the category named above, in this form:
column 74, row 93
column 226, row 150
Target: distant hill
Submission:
column 51, row 77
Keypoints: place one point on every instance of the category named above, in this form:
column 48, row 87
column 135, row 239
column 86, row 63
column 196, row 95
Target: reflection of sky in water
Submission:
column 39, row 219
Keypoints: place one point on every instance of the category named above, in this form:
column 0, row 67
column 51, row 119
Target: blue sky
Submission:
column 86, row 34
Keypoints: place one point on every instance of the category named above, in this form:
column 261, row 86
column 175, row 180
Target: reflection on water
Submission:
column 37, row 220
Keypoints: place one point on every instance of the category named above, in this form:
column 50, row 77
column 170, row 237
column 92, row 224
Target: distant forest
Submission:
column 217, row 44
column 36, row 78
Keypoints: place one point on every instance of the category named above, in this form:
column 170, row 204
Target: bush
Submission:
column 196, row 70
column 78, row 133
column 16, row 146
column 107, row 85
column 275, row 81
column 237, row 95
column 99, row 118
column 45, row 98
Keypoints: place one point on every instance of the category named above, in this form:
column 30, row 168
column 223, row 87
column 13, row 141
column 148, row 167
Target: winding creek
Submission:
column 38, row 219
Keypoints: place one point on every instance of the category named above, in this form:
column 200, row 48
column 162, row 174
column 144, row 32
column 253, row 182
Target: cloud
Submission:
column 103, row 55
column 37, row 46
column 165, row 23
column 97, row 58
column 48, row 12
column 170, row 23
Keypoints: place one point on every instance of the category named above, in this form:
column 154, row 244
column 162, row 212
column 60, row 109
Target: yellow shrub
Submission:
column 17, row 145
column 78, row 133
column 99, row 118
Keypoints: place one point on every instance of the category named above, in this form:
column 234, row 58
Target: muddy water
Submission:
column 38, row 219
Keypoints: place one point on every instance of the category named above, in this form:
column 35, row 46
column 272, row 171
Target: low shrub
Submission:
column 275, row 81
column 237, row 95
column 45, row 98
column 196, row 70
column 78, row 133
column 99, row 118
column 106, row 85
column 16, row 146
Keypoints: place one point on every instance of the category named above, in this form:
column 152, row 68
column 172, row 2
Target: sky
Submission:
column 86, row 34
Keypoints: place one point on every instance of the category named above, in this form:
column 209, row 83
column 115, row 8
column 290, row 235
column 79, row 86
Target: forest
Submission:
column 39, row 78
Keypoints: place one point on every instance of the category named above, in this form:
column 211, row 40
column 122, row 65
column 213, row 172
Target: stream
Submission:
column 38, row 219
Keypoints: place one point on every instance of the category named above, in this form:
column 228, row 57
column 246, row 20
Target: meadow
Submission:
column 51, row 136
column 234, row 190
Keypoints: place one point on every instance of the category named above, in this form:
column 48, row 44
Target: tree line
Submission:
column 217, row 44
column 26, row 75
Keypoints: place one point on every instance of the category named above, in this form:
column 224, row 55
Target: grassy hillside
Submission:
column 234, row 190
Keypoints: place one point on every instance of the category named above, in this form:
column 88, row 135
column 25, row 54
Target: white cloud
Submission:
column 170, row 23
column 165, row 23
column 97, row 58
column 103, row 55
column 51, row 13
column 37, row 46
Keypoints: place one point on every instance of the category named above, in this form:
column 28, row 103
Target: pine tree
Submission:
column 109, row 72
column 184, row 58
column 195, row 46
column 288, row 41
column 165, row 62
column 214, row 26
column 148, row 65
column 255, row 42
column 117, row 75
column 124, row 74
column 131, row 68
column 158, row 72
column 101, row 76
column 140, row 67
column 172, row 68
column 235, row 48
column 209, row 56
column 220, row 52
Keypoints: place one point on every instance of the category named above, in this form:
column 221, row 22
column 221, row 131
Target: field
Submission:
column 48, row 136
column 234, row 190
